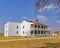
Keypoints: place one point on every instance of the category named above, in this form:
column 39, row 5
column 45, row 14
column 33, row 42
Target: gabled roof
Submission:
column 57, row 32
column 38, row 23
column 29, row 21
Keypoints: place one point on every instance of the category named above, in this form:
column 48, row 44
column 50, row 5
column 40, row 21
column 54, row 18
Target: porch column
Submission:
column 40, row 30
column 43, row 30
column 33, row 32
column 37, row 29
column 46, row 30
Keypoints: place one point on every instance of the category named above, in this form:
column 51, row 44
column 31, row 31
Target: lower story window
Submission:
column 23, row 32
column 17, row 32
column 41, row 32
column 38, row 32
column 35, row 32
column 6, row 32
column 31, row 32
column 44, row 32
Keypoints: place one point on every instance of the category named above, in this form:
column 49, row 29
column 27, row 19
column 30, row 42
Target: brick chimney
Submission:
column 36, row 21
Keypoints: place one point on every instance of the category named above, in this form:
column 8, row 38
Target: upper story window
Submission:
column 38, row 26
column 17, row 26
column 31, row 25
column 35, row 26
column 42, row 26
column 38, row 32
column 6, row 26
column 23, row 27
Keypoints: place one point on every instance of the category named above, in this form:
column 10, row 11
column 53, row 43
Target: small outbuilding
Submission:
column 56, row 33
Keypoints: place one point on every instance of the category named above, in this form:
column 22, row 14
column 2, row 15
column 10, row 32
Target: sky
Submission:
column 17, row 10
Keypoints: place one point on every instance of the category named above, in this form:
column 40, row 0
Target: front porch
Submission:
column 39, row 33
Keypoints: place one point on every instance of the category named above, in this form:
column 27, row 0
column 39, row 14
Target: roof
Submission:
column 12, row 22
column 29, row 21
column 38, row 22
column 57, row 32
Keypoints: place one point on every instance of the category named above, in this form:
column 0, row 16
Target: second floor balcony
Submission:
column 40, row 27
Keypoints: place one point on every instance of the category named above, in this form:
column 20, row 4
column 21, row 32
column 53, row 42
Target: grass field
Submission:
column 50, row 42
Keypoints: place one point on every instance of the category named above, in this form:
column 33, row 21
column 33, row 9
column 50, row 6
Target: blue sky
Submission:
column 17, row 10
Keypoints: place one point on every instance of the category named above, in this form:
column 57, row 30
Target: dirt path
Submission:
column 23, row 39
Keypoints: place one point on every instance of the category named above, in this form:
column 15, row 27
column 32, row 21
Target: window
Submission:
column 6, row 32
column 23, row 27
column 31, row 25
column 48, row 32
column 17, row 32
column 35, row 32
column 38, row 32
column 42, row 26
column 23, row 32
column 44, row 32
column 17, row 26
column 35, row 26
column 6, row 26
column 41, row 32
column 31, row 32
column 38, row 26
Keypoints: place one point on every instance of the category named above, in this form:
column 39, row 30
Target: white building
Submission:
column 26, row 28
column 56, row 33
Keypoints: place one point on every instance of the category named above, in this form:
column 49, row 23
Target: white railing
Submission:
column 40, row 29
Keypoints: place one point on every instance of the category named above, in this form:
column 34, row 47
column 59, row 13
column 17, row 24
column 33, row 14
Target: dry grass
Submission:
column 2, row 37
column 37, row 43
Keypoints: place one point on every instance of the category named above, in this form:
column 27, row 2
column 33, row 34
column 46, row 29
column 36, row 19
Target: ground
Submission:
column 26, row 42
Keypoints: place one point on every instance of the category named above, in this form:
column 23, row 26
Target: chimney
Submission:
column 36, row 21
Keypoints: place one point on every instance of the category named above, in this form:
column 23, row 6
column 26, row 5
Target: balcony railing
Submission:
column 40, row 29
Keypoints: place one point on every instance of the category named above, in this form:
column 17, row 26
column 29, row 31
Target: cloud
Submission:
column 24, row 17
column 42, row 18
column 48, row 7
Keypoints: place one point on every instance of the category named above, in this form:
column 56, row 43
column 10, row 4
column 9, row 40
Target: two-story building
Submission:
column 26, row 28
